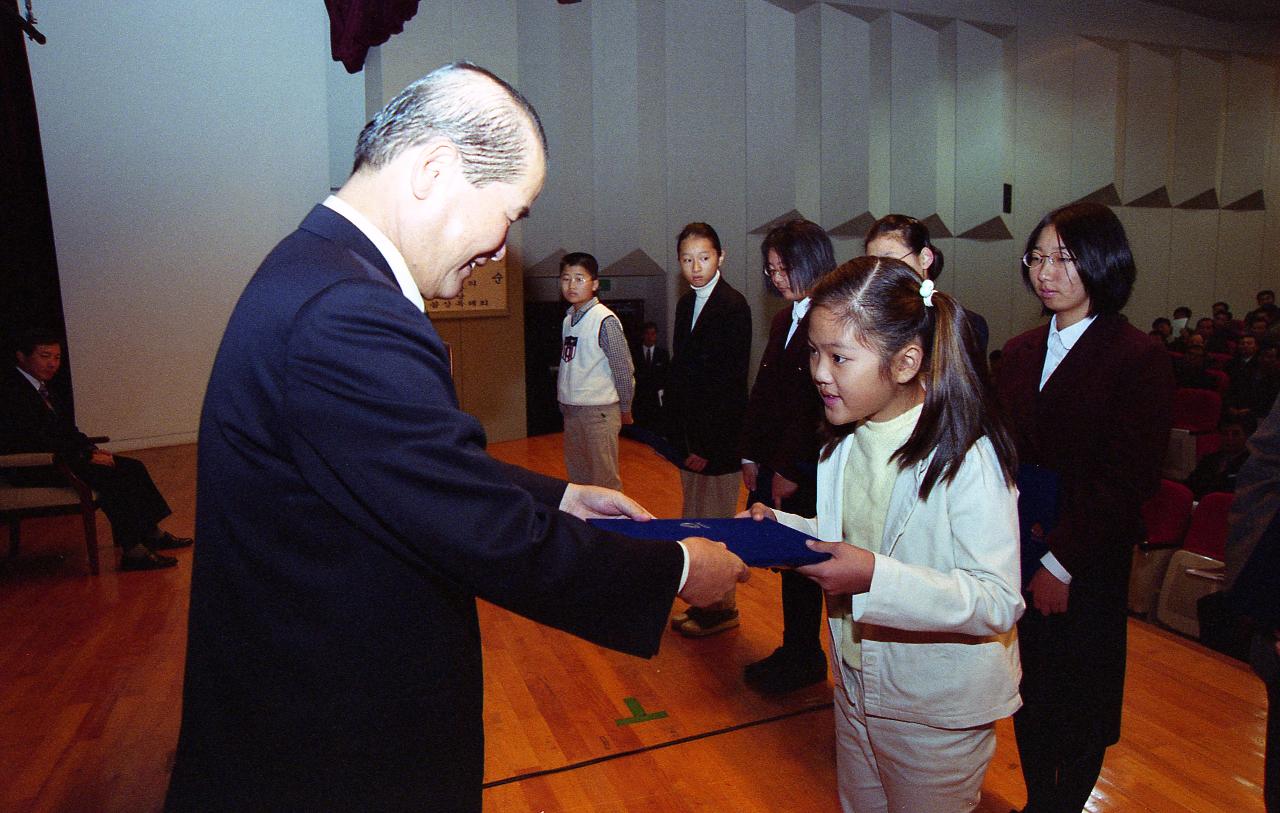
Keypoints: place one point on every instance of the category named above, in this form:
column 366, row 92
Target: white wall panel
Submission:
column 1251, row 91
column 1096, row 81
column 913, row 118
column 846, row 116
column 1193, row 258
column 1197, row 126
column 982, row 138
column 1149, row 232
column 1241, row 243
column 1148, row 124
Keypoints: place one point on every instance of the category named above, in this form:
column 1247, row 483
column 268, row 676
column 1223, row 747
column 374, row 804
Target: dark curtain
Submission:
column 30, row 296
column 355, row 26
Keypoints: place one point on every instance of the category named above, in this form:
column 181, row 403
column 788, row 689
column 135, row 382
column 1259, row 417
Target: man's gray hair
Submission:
column 488, row 123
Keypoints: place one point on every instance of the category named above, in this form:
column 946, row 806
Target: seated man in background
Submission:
column 1189, row 371
column 33, row 420
column 1217, row 471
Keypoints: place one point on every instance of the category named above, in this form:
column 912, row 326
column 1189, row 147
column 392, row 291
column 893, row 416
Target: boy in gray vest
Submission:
column 595, row 382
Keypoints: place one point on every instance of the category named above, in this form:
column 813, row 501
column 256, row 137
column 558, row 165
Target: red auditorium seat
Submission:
column 1166, row 516
column 1196, row 570
column 1221, row 378
column 1196, row 410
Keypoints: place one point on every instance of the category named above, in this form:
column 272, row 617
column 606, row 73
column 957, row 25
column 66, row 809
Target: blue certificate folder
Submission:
column 1038, row 490
column 759, row 544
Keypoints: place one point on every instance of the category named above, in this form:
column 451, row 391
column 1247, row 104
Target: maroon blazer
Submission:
column 784, row 412
column 1102, row 423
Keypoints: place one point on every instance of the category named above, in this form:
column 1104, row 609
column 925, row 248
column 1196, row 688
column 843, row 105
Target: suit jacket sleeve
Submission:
column 27, row 426
column 363, row 374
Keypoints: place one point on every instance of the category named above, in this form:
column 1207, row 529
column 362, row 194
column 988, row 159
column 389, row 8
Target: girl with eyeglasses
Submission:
column 902, row 237
column 780, row 443
column 1088, row 397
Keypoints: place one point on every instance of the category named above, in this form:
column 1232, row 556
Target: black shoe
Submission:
column 780, row 675
column 167, row 541
column 763, row 665
column 149, row 561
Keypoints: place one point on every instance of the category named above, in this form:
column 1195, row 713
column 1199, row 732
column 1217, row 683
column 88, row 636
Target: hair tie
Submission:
column 926, row 293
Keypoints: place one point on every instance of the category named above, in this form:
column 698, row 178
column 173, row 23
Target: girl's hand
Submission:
column 758, row 511
column 848, row 571
column 1048, row 592
column 782, row 488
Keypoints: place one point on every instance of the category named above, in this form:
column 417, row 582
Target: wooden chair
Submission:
column 24, row 502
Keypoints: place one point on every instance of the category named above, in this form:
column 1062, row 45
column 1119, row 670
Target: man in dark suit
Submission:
column 348, row 512
column 34, row 418
column 650, row 362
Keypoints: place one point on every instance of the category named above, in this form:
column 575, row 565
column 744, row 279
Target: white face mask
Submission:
column 1179, row 324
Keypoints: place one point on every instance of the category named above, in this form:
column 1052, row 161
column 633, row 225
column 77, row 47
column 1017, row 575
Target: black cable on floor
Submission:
column 691, row 738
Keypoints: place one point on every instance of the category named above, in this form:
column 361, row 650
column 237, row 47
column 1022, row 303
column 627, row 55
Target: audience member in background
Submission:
column 1090, row 398
column 1255, row 390
column 1189, row 371
column 1257, row 325
column 902, row 237
column 594, row 384
column 1252, row 580
column 706, row 399
column 1223, row 337
column 650, row 363
column 1217, row 308
column 1182, row 328
column 1266, row 300
column 1244, row 362
column 1217, row 471
column 1162, row 330
column 34, row 419
column 780, row 443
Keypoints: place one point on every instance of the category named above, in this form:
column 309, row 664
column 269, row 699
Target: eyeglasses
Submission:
column 771, row 272
column 1035, row 260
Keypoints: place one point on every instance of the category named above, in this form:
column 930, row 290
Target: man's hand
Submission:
column 713, row 571
column 848, row 571
column 627, row 420
column 694, row 463
column 593, row 502
column 100, row 458
column 758, row 511
column 782, row 488
column 1048, row 592
column 749, row 472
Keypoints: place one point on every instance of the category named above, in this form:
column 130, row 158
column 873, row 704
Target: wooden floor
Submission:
column 91, row 671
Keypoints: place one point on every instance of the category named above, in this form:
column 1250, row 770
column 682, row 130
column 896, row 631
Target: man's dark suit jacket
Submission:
column 651, row 376
column 1102, row 423
column 27, row 425
column 784, row 412
column 348, row 518
column 707, row 381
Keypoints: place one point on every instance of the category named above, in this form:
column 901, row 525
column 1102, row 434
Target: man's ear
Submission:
column 430, row 161
column 906, row 363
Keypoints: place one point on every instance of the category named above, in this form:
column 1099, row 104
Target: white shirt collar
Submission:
column 1069, row 336
column 385, row 247
column 705, row 290
column 799, row 309
column 35, row 382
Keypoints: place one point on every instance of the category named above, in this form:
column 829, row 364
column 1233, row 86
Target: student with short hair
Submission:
column 595, row 382
column 706, row 398
column 1088, row 397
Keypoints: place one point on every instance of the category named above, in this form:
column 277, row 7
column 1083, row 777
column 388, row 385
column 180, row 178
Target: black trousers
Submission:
column 129, row 496
column 801, row 597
